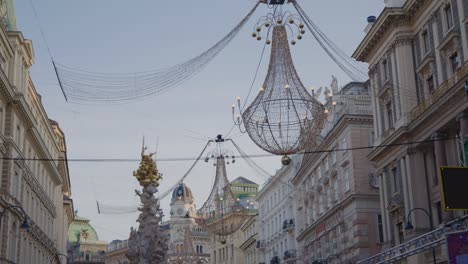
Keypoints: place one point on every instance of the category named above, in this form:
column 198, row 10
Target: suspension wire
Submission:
column 132, row 209
column 265, row 155
column 357, row 74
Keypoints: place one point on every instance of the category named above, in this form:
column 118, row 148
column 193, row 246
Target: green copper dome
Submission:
column 81, row 230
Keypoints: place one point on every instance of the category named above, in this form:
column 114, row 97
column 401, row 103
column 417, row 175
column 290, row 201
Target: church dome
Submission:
column 182, row 193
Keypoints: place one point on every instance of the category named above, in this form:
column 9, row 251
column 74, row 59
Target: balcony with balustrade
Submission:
column 289, row 225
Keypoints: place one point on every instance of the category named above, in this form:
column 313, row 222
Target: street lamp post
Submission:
column 57, row 257
column 409, row 226
column 25, row 225
column 334, row 256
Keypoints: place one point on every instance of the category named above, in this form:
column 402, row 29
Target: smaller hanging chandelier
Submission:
column 222, row 213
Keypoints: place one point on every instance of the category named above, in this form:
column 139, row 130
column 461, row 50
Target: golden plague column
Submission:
column 146, row 245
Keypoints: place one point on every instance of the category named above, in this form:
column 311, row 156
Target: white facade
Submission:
column 276, row 220
column 41, row 187
column 418, row 69
column 337, row 206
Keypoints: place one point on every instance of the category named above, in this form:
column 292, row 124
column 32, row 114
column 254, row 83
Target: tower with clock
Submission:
column 183, row 209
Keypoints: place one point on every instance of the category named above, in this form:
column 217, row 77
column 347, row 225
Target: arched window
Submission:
column 201, row 249
column 198, row 251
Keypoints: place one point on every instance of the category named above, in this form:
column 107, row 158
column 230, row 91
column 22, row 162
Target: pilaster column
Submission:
column 464, row 124
column 441, row 160
column 439, row 149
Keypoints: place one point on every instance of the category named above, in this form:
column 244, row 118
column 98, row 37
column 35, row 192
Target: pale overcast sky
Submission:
column 118, row 36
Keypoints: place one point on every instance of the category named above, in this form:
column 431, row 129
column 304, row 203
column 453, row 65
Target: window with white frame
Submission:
column 425, row 41
column 325, row 162
column 333, row 155
column 389, row 109
column 385, row 68
column 454, row 62
column 430, row 84
column 448, row 16
column 347, row 180
column 344, row 144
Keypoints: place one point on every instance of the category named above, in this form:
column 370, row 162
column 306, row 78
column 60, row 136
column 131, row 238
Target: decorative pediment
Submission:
column 396, row 206
column 450, row 43
column 425, row 68
column 386, row 95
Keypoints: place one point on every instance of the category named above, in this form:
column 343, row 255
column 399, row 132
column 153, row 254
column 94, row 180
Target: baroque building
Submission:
column 276, row 241
column 117, row 252
column 84, row 245
column 28, row 140
column 336, row 204
column 417, row 52
column 231, row 249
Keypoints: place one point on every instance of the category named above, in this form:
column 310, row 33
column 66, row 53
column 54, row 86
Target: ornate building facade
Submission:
column 337, row 206
column 39, row 186
column 417, row 52
column 276, row 241
column 228, row 249
column 117, row 252
column 188, row 241
column 249, row 246
column 84, row 245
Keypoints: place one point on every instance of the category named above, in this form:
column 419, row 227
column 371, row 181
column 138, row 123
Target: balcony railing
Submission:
column 275, row 260
column 288, row 225
column 290, row 255
column 438, row 93
column 261, row 244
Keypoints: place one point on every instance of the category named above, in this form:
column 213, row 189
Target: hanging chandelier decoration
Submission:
column 222, row 213
column 284, row 118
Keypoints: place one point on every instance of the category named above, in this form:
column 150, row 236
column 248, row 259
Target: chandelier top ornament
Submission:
column 291, row 21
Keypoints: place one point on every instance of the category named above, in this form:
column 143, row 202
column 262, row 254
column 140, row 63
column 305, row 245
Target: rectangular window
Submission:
column 430, row 84
column 333, row 156
column 346, row 180
column 439, row 212
column 380, row 228
column 454, row 63
column 390, row 115
column 344, row 145
column 396, row 180
column 425, row 39
column 385, row 69
column 448, row 16
column 401, row 237
column 326, row 163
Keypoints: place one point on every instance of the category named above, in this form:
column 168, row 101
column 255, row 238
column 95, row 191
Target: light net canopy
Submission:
column 284, row 118
column 221, row 214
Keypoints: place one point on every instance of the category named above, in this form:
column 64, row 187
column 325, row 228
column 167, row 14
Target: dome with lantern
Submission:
column 182, row 193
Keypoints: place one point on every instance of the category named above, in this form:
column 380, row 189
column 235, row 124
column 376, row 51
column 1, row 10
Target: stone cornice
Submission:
column 388, row 19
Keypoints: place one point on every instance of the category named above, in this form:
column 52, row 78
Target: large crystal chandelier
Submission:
column 284, row 118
